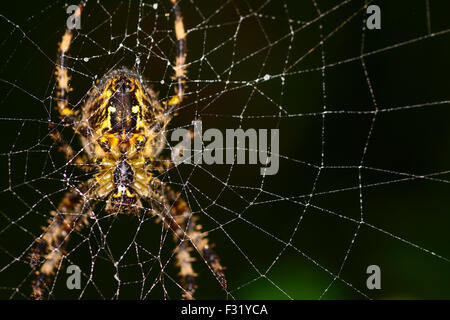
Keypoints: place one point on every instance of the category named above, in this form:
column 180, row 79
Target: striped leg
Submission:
column 63, row 78
column 188, row 235
column 71, row 215
column 184, row 262
column 180, row 62
column 62, row 97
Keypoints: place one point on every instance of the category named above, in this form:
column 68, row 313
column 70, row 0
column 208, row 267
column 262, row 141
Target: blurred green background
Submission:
column 355, row 188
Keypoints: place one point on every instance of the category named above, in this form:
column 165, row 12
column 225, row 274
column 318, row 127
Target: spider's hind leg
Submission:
column 188, row 235
column 70, row 216
column 184, row 261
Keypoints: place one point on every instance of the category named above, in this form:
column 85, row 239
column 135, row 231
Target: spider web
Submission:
column 363, row 118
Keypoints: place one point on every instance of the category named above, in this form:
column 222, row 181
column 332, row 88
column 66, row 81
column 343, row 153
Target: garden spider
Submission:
column 122, row 130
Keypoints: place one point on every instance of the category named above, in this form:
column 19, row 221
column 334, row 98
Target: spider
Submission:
column 122, row 130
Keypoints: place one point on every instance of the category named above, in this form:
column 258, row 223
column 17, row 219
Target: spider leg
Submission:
column 180, row 66
column 63, row 77
column 159, row 166
column 184, row 262
column 71, row 215
column 78, row 159
column 68, row 116
column 194, row 236
column 178, row 217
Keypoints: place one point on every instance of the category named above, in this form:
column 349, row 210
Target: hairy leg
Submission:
column 180, row 62
column 190, row 232
column 68, row 116
column 63, row 77
column 70, row 216
column 178, row 217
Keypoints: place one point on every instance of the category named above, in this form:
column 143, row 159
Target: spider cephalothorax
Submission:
column 122, row 130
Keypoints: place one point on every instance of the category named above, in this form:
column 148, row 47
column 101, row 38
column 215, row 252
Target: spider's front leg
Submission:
column 70, row 216
column 180, row 62
column 68, row 116
column 187, row 234
column 62, row 76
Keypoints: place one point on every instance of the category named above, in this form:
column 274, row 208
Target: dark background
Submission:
column 402, row 179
